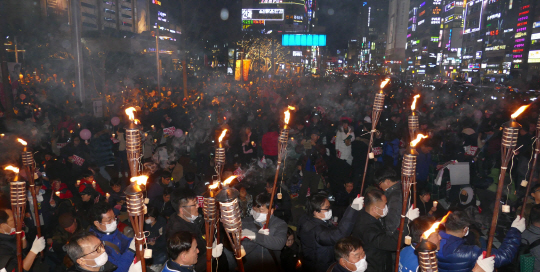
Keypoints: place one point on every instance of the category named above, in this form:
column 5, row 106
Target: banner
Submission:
column 200, row 201
column 78, row 160
column 237, row 70
column 247, row 64
column 169, row 131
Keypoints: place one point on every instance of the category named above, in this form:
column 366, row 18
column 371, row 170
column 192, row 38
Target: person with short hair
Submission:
column 389, row 182
column 192, row 182
column 183, row 253
column 378, row 243
column 88, row 253
column 263, row 250
column 163, row 204
column 119, row 248
column 318, row 234
column 455, row 255
column 408, row 259
column 87, row 180
column 186, row 218
column 8, row 244
column 350, row 256
column 532, row 235
column 68, row 225
column 155, row 225
column 532, row 199
column 156, row 189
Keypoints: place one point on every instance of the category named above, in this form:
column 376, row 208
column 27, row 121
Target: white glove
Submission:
column 38, row 245
column 242, row 252
column 487, row 264
column 358, row 203
column 249, row 234
column 413, row 213
column 217, row 250
column 135, row 267
column 264, row 231
column 519, row 223
column 132, row 244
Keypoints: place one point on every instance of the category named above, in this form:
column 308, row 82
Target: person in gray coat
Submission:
column 532, row 235
column 263, row 246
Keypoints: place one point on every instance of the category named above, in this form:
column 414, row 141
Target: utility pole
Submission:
column 157, row 61
column 77, row 52
column 184, row 51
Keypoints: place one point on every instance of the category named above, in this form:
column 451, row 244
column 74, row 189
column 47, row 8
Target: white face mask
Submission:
column 361, row 265
column 191, row 218
column 258, row 217
column 10, row 232
column 385, row 211
column 110, row 227
column 148, row 221
column 100, row 261
column 327, row 215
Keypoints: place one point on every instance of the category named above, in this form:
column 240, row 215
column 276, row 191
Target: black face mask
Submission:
column 463, row 198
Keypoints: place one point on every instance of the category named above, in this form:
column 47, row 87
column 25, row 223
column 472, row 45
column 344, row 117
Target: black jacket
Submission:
column 176, row 224
column 318, row 238
column 378, row 245
column 395, row 204
column 8, row 252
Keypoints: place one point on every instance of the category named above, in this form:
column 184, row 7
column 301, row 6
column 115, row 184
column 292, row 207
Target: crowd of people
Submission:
column 319, row 220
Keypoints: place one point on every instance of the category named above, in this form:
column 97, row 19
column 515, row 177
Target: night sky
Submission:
column 341, row 26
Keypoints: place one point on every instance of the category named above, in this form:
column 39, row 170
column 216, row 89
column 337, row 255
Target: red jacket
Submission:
column 270, row 143
column 64, row 192
column 89, row 183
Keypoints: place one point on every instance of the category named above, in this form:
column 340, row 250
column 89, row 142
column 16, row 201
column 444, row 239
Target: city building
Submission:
column 370, row 41
column 396, row 38
column 283, row 16
column 450, row 14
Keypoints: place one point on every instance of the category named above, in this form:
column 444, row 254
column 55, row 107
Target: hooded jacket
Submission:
column 454, row 255
column 318, row 238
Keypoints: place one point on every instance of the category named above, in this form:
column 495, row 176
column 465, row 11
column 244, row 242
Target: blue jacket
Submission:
column 408, row 260
column 122, row 259
column 171, row 266
column 454, row 255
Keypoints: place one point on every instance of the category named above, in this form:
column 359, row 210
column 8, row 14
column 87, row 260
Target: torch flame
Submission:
column 129, row 112
column 137, row 122
column 413, row 106
column 292, row 108
column 12, row 168
column 384, row 83
column 229, row 180
column 213, row 186
column 434, row 227
column 23, row 142
column 519, row 111
column 222, row 135
column 287, row 117
column 418, row 138
column 140, row 180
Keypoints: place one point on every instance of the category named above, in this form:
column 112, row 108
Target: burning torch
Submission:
column 533, row 168
column 413, row 127
column 230, row 217
column 136, row 210
column 18, row 206
column 509, row 141
column 211, row 214
column 220, row 156
column 29, row 167
column 282, row 152
column 408, row 173
column 133, row 143
column 427, row 251
column 378, row 106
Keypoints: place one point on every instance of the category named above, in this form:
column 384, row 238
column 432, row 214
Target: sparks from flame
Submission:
column 292, row 108
column 519, row 111
column 130, row 112
column 222, row 135
column 418, row 138
column 434, row 227
column 229, row 180
column 12, row 168
column 383, row 84
column 413, row 106
column 23, row 142
column 140, row 180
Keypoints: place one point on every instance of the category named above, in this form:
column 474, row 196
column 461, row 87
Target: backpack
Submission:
column 526, row 259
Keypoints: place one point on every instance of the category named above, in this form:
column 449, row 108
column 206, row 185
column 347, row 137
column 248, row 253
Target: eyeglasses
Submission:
column 99, row 248
column 190, row 206
column 326, row 209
